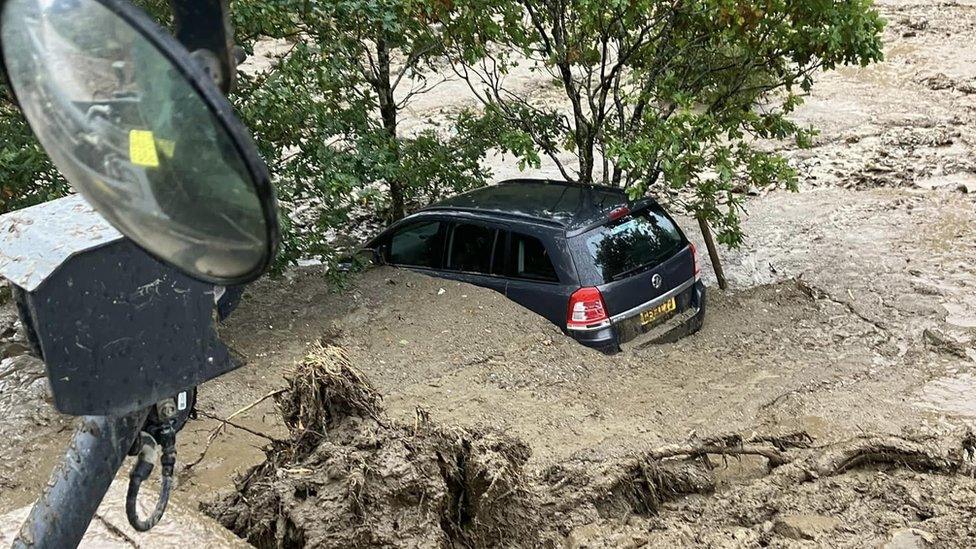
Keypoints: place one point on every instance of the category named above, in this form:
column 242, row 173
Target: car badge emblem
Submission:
column 656, row 281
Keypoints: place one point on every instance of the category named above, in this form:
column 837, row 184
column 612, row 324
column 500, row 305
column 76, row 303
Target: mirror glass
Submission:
column 132, row 134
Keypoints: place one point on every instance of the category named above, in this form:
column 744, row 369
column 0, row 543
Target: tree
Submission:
column 27, row 176
column 664, row 96
column 327, row 114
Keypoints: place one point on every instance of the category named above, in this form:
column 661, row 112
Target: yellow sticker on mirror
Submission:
column 142, row 149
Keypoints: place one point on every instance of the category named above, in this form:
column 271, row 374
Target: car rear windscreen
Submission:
column 634, row 244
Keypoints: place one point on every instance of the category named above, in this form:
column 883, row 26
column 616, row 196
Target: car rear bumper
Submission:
column 687, row 320
column 603, row 340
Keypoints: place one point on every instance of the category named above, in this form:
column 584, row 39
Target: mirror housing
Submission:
column 118, row 330
column 363, row 258
column 204, row 26
column 138, row 127
column 381, row 253
column 368, row 256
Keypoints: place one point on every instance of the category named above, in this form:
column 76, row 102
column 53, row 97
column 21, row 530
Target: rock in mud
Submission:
column 13, row 349
column 805, row 527
column 915, row 23
column 943, row 343
column 909, row 538
column 938, row 82
column 968, row 87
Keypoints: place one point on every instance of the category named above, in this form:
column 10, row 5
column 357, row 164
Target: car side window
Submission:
column 417, row 245
column 529, row 259
column 470, row 248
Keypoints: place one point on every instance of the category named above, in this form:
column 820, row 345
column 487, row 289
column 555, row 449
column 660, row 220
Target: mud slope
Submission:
column 471, row 357
column 30, row 428
column 879, row 337
column 349, row 475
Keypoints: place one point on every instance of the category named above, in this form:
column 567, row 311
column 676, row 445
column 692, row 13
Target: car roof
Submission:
column 567, row 205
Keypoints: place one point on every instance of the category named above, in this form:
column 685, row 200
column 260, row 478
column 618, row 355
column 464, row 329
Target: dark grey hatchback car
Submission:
column 610, row 272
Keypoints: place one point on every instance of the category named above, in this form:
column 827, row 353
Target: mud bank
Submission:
column 349, row 475
column 880, row 337
column 28, row 422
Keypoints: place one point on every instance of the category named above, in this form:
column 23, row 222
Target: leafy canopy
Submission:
column 670, row 97
column 27, row 176
column 664, row 96
column 328, row 113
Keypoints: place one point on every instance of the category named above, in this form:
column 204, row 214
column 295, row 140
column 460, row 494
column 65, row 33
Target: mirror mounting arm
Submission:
column 205, row 28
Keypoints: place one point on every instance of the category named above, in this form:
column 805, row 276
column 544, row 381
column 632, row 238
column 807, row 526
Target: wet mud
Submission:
column 852, row 313
column 350, row 475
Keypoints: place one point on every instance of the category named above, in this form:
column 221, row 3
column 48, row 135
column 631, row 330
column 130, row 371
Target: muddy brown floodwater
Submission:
column 852, row 312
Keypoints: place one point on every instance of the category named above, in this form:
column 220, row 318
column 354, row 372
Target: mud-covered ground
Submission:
column 350, row 475
column 878, row 336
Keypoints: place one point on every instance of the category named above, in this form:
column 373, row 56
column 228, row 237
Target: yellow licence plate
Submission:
column 650, row 316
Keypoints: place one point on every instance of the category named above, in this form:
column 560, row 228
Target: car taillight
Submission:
column 587, row 310
column 619, row 213
column 694, row 255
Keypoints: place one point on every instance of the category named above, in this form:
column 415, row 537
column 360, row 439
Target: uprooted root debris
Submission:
column 351, row 477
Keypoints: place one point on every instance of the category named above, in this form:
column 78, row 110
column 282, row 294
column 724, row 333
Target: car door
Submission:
column 473, row 253
column 535, row 280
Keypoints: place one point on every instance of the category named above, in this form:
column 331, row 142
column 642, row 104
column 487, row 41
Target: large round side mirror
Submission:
column 142, row 132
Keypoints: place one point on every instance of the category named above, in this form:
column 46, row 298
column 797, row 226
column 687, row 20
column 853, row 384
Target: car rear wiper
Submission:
column 645, row 266
column 629, row 272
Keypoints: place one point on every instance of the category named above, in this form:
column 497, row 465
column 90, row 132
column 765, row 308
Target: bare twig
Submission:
column 820, row 294
column 215, row 432
column 239, row 426
column 272, row 394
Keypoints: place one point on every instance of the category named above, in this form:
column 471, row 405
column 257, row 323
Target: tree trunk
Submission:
column 586, row 144
column 713, row 253
column 388, row 112
column 583, row 131
column 617, row 180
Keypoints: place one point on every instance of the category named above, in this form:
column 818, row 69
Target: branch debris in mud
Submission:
column 350, row 476
column 235, row 425
column 818, row 294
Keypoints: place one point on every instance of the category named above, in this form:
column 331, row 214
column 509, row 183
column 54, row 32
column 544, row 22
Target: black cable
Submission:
column 141, row 472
